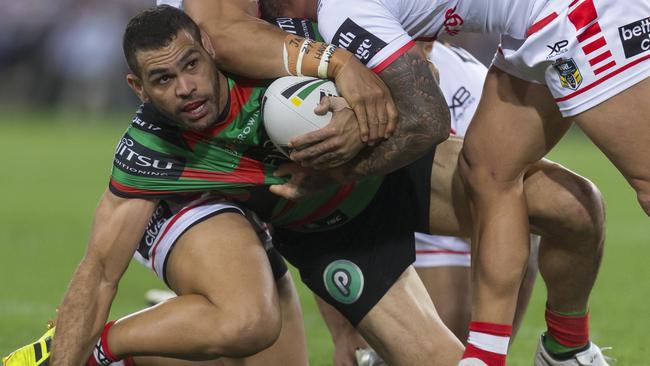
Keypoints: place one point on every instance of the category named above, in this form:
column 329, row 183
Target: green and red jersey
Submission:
column 234, row 159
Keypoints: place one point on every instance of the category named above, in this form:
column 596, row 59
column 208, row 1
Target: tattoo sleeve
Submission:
column 423, row 122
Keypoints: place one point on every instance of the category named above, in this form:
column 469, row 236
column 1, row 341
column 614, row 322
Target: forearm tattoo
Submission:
column 423, row 118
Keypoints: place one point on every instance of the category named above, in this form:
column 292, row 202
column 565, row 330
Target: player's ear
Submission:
column 207, row 43
column 136, row 85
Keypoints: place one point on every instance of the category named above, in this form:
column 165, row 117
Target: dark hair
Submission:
column 155, row 28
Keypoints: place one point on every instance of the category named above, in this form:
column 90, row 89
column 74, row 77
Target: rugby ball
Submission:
column 288, row 108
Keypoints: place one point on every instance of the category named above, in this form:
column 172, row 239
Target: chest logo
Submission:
column 453, row 22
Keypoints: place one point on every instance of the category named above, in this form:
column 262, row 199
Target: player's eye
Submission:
column 164, row 79
column 192, row 64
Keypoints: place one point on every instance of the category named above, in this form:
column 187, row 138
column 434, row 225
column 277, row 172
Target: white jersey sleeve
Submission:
column 461, row 81
column 368, row 29
column 174, row 3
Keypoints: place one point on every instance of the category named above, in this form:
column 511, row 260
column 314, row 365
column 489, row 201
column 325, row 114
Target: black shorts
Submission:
column 353, row 266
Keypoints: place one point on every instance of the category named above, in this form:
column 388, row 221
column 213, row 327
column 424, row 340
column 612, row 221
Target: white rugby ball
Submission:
column 288, row 108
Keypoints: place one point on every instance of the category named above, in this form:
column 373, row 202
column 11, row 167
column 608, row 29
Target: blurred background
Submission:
column 65, row 54
column 64, row 103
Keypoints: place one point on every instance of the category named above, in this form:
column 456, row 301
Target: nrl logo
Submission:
column 570, row 76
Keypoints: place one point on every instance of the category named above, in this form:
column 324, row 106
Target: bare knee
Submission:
column 482, row 177
column 245, row 330
column 583, row 210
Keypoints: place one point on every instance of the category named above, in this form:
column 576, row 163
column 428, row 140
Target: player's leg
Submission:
column 227, row 303
column 620, row 127
column 527, row 285
column 516, row 123
column 570, row 251
column 446, row 277
column 405, row 329
column 290, row 349
column 443, row 265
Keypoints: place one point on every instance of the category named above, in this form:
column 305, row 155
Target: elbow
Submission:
column 443, row 127
column 439, row 126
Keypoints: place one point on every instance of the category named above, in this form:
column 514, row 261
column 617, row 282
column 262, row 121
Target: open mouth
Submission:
column 195, row 110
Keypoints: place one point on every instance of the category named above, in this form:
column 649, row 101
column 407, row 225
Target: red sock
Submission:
column 102, row 355
column 568, row 330
column 488, row 342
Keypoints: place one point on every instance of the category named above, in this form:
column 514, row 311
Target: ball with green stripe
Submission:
column 288, row 107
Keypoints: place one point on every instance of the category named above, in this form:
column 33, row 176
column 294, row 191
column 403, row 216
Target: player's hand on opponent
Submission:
column 303, row 182
column 332, row 145
column 370, row 99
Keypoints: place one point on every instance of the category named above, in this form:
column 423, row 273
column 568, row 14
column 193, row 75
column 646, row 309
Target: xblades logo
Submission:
column 557, row 49
column 459, row 99
column 343, row 281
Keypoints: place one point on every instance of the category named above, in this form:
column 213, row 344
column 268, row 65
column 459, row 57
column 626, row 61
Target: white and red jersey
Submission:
column 585, row 51
column 377, row 30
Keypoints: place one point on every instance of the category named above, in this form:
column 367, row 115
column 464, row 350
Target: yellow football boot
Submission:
column 35, row 354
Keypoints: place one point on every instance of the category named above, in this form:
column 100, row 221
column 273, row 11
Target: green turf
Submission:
column 55, row 168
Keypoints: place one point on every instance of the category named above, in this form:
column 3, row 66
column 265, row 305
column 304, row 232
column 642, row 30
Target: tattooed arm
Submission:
column 424, row 119
column 424, row 122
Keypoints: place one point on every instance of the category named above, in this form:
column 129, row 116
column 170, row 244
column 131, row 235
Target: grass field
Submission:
column 55, row 168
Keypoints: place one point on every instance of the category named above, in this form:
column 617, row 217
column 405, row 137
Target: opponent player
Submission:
column 199, row 134
column 593, row 58
column 442, row 262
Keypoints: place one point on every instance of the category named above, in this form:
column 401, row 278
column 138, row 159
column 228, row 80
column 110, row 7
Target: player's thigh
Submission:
column 223, row 259
column 515, row 124
column 405, row 328
column 620, row 127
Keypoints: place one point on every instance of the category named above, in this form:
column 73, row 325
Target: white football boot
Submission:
column 592, row 356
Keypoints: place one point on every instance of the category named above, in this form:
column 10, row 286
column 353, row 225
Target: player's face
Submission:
column 182, row 81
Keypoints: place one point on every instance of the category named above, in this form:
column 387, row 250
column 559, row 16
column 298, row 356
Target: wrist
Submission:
column 305, row 57
column 339, row 58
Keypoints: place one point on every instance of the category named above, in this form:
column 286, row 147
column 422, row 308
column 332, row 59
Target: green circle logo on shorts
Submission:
column 343, row 281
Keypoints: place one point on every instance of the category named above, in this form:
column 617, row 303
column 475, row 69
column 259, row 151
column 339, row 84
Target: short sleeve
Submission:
column 368, row 29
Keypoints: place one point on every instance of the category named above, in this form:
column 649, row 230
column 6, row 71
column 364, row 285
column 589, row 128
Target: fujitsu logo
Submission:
column 453, row 22
column 124, row 150
column 287, row 25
